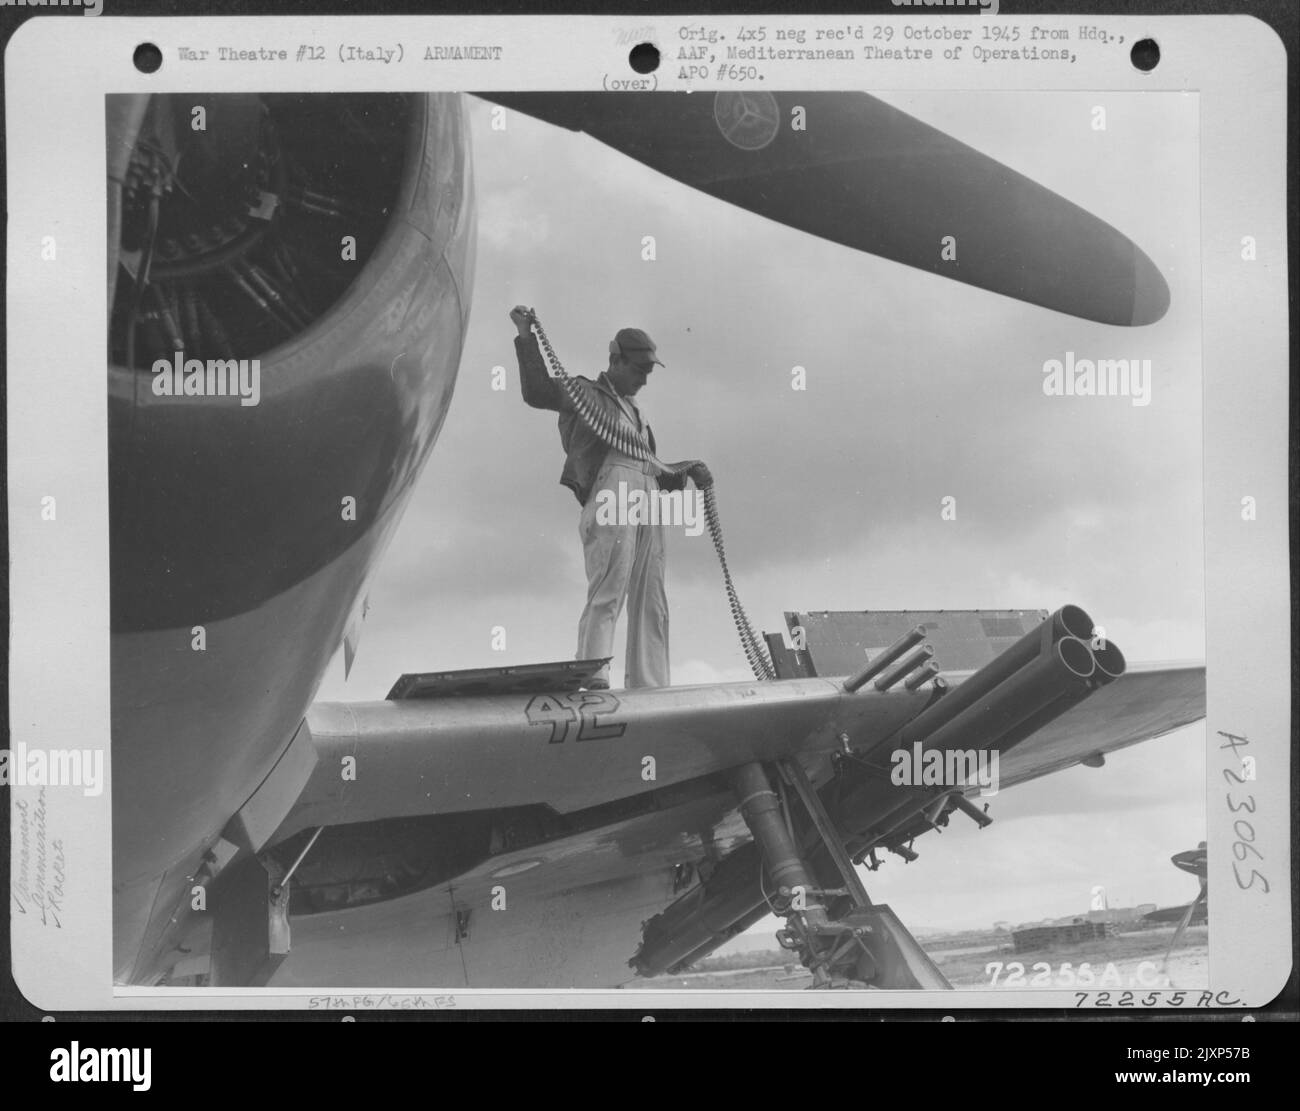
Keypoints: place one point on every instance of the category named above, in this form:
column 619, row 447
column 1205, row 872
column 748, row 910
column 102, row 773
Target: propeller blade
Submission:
column 877, row 180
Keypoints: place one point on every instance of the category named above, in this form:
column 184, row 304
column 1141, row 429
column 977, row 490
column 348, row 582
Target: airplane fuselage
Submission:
column 243, row 536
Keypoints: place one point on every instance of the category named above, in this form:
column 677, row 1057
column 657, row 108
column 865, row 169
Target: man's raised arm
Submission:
column 540, row 390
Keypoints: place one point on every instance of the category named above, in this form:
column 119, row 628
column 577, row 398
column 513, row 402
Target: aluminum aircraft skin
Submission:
column 496, row 830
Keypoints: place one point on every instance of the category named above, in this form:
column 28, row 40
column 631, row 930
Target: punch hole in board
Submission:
column 147, row 58
column 644, row 57
column 1145, row 55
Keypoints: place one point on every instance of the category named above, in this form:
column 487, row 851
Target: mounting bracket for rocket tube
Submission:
column 793, row 773
column 974, row 813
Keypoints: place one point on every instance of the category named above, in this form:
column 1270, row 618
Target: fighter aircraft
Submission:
column 502, row 827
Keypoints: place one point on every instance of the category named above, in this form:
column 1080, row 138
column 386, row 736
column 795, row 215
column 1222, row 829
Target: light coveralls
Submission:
column 624, row 560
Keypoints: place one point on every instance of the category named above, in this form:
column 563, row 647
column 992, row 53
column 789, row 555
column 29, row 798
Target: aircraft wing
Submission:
column 584, row 808
column 504, row 828
column 850, row 168
column 1148, row 702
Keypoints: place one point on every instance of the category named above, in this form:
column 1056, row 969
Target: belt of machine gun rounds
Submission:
column 617, row 433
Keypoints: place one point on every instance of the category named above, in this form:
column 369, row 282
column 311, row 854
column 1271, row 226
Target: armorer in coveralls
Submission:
column 624, row 561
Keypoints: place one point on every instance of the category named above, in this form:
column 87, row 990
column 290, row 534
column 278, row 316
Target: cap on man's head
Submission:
column 630, row 340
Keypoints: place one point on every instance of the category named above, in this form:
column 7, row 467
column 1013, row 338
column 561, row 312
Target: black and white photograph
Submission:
column 649, row 516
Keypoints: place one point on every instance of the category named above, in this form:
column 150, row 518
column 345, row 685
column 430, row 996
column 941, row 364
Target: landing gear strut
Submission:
column 838, row 934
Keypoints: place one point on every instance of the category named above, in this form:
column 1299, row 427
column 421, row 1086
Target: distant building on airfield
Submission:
column 1074, row 928
column 1029, row 938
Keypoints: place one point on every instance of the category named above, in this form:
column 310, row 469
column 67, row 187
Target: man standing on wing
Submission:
column 624, row 561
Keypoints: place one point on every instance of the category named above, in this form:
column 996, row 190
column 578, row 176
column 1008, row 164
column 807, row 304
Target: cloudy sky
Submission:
column 918, row 389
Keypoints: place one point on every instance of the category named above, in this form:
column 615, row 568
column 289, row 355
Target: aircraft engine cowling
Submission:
column 289, row 288
column 241, row 219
